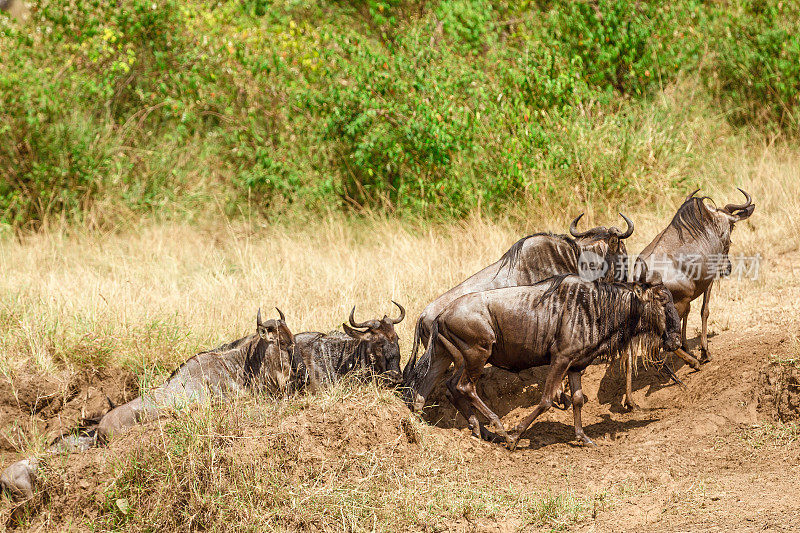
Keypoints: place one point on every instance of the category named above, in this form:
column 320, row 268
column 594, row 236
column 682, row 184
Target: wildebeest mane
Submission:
column 511, row 257
column 555, row 283
column 228, row 346
column 250, row 347
column 614, row 306
column 691, row 217
column 255, row 352
column 339, row 354
column 219, row 349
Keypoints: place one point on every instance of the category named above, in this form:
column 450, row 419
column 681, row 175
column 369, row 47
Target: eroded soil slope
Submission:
column 709, row 457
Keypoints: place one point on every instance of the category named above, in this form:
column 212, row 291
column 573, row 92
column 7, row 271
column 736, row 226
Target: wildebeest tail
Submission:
column 413, row 378
column 407, row 370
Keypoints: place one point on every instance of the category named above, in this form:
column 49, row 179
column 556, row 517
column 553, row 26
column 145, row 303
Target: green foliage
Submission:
column 757, row 65
column 163, row 108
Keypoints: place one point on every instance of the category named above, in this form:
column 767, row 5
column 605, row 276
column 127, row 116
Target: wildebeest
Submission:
column 258, row 361
column 375, row 351
column 19, row 479
column 535, row 258
column 688, row 255
column 565, row 322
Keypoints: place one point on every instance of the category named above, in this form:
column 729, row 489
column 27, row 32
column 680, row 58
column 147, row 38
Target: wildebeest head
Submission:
column 381, row 344
column 277, row 341
column 695, row 210
column 657, row 309
column 606, row 246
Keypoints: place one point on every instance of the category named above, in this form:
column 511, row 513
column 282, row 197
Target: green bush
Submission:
column 756, row 66
column 162, row 109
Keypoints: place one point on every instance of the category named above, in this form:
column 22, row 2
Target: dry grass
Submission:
column 153, row 295
column 150, row 297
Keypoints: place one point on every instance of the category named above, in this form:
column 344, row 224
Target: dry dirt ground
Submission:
column 710, row 457
column 706, row 458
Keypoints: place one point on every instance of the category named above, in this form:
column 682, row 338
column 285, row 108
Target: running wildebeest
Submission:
column 535, row 258
column 688, row 256
column 259, row 361
column 324, row 358
column 565, row 322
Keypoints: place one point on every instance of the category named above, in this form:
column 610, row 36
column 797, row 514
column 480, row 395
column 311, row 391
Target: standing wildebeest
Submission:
column 259, row 361
column 688, row 256
column 324, row 359
column 532, row 259
column 565, row 322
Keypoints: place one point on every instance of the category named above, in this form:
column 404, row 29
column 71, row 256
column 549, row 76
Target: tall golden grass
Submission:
column 155, row 294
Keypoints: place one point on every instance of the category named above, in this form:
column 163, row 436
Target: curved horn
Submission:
column 692, row 195
column 730, row 208
column 258, row 317
column 629, row 231
column 573, row 228
column 353, row 321
column 280, row 313
column 402, row 314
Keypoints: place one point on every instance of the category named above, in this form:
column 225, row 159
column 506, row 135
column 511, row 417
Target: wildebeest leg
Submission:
column 473, row 358
column 562, row 400
column 466, row 386
column 578, row 399
column 683, row 327
column 690, row 360
column 628, row 402
column 704, row 356
column 463, row 406
column 558, row 369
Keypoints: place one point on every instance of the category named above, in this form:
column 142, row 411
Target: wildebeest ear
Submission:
column 258, row 318
column 353, row 332
column 637, row 291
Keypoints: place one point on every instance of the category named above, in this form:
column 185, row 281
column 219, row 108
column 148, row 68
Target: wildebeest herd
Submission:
column 557, row 300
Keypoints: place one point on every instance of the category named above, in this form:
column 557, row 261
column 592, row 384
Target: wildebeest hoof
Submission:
column 562, row 401
column 705, row 357
column 512, row 441
column 586, row 440
column 488, row 436
column 630, row 405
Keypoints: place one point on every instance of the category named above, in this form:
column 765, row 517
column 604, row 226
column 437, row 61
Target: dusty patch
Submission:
column 48, row 406
column 779, row 391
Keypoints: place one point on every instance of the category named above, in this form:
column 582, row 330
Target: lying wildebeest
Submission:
column 688, row 256
column 565, row 322
column 535, row 258
column 19, row 479
column 324, row 358
column 259, row 361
